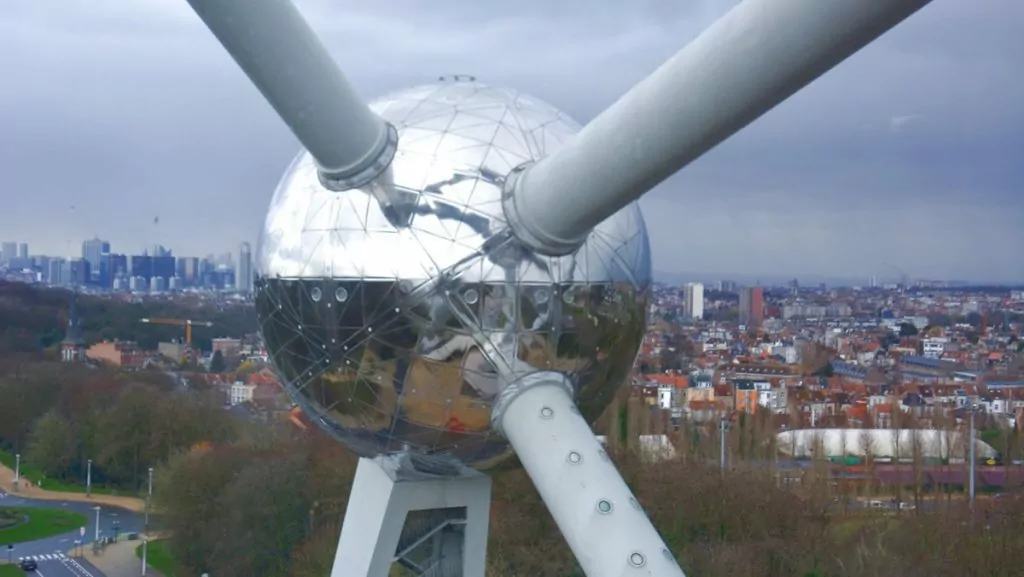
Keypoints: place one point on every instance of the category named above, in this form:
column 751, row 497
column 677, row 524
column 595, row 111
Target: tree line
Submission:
column 271, row 503
column 60, row 416
column 34, row 318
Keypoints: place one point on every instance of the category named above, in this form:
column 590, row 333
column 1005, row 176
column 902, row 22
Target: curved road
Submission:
column 51, row 548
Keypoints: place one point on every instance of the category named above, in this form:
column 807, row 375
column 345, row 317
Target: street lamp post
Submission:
column 88, row 478
column 971, row 459
column 97, row 535
column 17, row 470
column 149, row 501
column 312, row 515
column 723, row 426
column 145, row 547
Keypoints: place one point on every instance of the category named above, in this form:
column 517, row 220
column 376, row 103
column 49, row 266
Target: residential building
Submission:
column 751, row 309
column 693, row 301
column 118, row 353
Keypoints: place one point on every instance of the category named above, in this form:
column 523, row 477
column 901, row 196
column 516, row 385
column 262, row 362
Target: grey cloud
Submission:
column 129, row 108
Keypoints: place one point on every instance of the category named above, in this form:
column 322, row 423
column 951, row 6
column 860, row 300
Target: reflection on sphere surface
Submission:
column 384, row 308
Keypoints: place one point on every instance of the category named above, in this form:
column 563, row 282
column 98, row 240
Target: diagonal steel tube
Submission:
column 753, row 58
column 281, row 55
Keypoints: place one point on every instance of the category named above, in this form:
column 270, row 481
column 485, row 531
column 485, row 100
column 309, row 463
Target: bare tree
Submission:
column 917, row 455
column 946, row 438
column 868, row 450
column 897, row 432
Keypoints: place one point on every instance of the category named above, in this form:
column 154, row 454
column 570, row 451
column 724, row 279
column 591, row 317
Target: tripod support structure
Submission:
column 433, row 525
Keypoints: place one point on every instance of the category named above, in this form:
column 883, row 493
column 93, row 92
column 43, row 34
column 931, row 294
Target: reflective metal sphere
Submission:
column 386, row 308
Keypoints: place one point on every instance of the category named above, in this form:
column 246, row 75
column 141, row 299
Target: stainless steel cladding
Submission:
column 385, row 308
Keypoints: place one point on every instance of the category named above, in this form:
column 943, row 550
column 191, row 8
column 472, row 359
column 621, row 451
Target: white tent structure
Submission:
column 896, row 444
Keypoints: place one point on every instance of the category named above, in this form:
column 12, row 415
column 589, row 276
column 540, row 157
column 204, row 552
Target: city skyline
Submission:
column 901, row 158
column 152, row 269
column 77, row 249
column 887, row 273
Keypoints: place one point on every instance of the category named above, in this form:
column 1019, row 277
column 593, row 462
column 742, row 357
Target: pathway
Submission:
column 30, row 491
column 119, row 560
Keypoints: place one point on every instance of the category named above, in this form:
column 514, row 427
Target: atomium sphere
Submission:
column 387, row 309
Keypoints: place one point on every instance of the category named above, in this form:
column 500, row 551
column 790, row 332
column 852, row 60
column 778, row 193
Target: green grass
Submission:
column 9, row 570
column 41, row 523
column 158, row 557
column 36, row 476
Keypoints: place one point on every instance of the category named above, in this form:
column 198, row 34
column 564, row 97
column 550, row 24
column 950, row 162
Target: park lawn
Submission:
column 35, row 475
column 158, row 557
column 10, row 570
column 41, row 523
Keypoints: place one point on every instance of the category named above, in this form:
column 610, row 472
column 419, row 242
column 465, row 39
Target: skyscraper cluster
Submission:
column 155, row 269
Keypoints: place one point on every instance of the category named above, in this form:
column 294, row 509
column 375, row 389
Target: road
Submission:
column 60, row 566
column 49, row 551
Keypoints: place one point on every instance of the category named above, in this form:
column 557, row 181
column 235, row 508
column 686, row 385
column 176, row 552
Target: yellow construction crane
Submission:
column 187, row 323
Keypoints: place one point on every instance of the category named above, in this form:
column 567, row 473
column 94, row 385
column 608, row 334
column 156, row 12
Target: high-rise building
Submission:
column 23, row 250
column 244, row 277
column 149, row 267
column 41, row 263
column 55, row 271
column 693, row 300
column 163, row 266
column 116, row 268
column 187, row 269
column 101, row 274
column 92, row 253
column 751, row 306
column 8, row 251
column 141, row 265
column 77, row 272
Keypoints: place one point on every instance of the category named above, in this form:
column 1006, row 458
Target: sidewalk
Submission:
column 119, row 560
column 30, row 491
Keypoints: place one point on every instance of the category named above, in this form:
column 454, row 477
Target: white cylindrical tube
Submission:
column 602, row 521
column 282, row 56
column 750, row 60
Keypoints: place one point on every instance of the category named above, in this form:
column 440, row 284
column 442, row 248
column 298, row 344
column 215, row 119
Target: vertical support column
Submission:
column 383, row 494
column 602, row 521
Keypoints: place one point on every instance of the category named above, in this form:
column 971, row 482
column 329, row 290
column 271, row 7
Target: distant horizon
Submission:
column 813, row 279
column 76, row 248
column 660, row 275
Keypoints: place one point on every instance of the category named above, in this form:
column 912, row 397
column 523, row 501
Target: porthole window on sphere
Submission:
column 316, row 294
column 541, row 296
column 341, row 295
column 471, row 296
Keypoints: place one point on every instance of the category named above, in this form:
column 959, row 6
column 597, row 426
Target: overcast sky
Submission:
column 908, row 157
